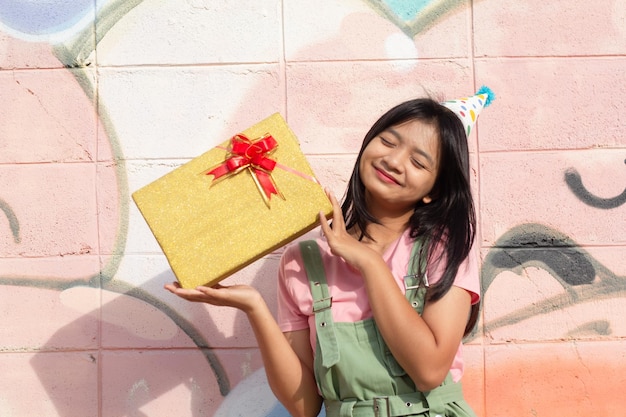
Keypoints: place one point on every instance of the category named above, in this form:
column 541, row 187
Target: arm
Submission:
column 436, row 334
column 287, row 358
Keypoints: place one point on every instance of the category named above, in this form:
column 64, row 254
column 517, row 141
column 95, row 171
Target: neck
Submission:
column 384, row 233
column 387, row 227
column 391, row 222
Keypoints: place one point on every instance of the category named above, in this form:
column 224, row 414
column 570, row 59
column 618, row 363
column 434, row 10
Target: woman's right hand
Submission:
column 242, row 297
column 341, row 242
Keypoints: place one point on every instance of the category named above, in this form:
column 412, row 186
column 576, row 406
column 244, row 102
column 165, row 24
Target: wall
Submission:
column 101, row 97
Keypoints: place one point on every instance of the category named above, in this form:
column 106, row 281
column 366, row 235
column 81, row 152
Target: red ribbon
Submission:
column 254, row 155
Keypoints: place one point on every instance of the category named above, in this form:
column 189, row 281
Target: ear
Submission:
column 426, row 199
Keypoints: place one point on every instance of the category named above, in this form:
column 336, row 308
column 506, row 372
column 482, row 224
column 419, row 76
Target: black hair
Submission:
column 449, row 220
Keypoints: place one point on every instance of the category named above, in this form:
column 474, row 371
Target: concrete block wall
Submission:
column 101, row 97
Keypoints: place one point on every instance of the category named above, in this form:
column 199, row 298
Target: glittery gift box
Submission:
column 230, row 206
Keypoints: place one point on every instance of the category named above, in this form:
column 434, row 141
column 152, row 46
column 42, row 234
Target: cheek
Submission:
column 432, row 189
column 363, row 161
column 358, row 167
column 423, row 180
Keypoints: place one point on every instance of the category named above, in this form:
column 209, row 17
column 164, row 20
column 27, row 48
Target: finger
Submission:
column 217, row 295
column 331, row 197
column 324, row 224
column 337, row 213
column 206, row 290
column 172, row 287
column 189, row 295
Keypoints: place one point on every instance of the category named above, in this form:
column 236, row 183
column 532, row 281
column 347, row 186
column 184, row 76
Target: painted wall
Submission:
column 99, row 98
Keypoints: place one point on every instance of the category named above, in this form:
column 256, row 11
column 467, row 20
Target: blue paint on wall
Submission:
column 43, row 17
column 407, row 10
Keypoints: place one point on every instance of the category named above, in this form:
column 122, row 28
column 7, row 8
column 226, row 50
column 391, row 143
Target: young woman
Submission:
column 372, row 315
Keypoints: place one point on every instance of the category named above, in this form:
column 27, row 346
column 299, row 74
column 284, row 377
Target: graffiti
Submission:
column 70, row 32
column 35, row 23
column 76, row 53
column 50, row 21
column 14, row 224
column 44, row 18
column 575, row 184
column 414, row 17
column 534, row 245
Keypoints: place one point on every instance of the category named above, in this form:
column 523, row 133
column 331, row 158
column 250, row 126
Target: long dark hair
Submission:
column 449, row 220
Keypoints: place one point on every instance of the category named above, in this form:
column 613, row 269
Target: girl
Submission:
column 371, row 316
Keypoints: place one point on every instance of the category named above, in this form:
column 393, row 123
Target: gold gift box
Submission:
column 209, row 227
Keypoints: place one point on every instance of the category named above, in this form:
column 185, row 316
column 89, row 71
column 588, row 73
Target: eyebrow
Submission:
column 416, row 150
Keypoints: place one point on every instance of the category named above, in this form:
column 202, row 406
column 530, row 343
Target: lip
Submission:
column 386, row 177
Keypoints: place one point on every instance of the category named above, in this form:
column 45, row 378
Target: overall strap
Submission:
column 416, row 281
column 322, row 301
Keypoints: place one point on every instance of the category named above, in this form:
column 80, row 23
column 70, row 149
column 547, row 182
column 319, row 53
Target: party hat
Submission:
column 468, row 108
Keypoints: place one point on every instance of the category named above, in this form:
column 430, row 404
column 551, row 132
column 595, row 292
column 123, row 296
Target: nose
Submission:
column 393, row 160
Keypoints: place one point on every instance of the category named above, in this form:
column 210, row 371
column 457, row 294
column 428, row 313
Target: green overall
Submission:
column 356, row 373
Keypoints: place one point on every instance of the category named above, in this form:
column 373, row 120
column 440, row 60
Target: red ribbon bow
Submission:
column 252, row 155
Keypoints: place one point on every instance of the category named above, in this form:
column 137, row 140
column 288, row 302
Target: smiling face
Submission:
column 399, row 167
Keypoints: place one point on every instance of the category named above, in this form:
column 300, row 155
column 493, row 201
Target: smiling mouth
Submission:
column 386, row 177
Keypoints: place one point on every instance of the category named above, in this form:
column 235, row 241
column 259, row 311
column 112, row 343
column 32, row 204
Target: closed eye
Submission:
column 386, row 142
column 417, row 163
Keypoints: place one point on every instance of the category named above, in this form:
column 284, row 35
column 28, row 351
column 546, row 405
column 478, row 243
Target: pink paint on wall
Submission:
column 88, row 328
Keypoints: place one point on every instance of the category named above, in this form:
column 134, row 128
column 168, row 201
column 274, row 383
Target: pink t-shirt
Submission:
column 350, row 301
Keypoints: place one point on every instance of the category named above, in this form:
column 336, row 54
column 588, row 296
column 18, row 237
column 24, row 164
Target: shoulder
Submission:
column 294, row 292
column 292, row 263
column 467, row 276
column 334, row 268
column 293, row 252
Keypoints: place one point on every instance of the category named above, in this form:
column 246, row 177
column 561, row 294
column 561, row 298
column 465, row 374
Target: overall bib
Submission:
column 356, row 373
